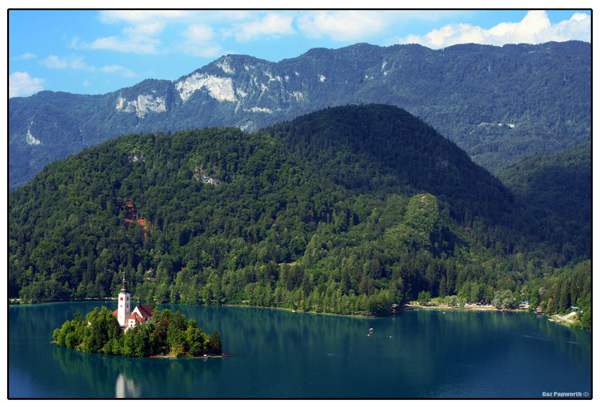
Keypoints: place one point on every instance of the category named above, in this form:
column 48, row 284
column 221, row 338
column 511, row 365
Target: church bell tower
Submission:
column 124, row 309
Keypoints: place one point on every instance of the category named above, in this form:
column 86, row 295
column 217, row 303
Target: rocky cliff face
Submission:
column 543, row 91
column 143, row 105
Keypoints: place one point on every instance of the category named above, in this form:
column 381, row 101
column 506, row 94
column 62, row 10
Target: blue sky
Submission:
column 96, row 52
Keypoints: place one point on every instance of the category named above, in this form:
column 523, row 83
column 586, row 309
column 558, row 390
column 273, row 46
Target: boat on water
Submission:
column 225, row 355
column 370, row 329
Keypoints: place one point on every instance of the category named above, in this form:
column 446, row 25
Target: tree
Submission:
column 215, row 342
column 193, row 339
column 71, row 340
column 551, row 306
column 379, row 305
column 56, row 335
column 424, row 297
column 128, row 348
column 586, row 318
column 563, row 302
column 503, row 298
column 443, row 291
column 141, row 342
column 451, row 300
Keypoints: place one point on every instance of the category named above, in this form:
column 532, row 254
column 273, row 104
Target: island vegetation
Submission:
column 170, row 334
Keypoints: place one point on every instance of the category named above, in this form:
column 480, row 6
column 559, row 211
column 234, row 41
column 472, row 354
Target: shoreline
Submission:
column 188, row 357
column 414, row 307
column 407, row 307
column 155, row 356
column 299, row 311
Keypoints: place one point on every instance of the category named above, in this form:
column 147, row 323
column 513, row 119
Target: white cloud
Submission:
column 54, row 62
column 197, row 41
column 86, row 83
column 118, row 70
column 576, row 28
column 201, row 49
column 73, row 62
column 345, row 25
column 135, row 42
column 199, row 32
column 139, row 37
column 23, row 57
column 535, row 28
column 136, row 17
column 270, row 24
column 21, row 84
column 141, row 16
column 151, row 28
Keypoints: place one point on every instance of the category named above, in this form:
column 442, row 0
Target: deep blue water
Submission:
column 280, row 354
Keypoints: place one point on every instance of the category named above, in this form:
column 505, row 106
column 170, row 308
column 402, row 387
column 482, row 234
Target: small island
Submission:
column 141, row 333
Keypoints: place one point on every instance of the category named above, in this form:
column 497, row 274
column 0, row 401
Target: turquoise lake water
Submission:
column 280, row 354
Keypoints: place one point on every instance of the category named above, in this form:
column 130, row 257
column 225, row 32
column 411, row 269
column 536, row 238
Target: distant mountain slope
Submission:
column 497, row 103
column 555, row 183
column 345, row 210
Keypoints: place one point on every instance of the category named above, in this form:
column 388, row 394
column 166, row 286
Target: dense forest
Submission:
column 347, row 210
column 499, row 104
column 555, row 184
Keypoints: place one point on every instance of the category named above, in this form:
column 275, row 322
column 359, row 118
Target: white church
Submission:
column 127, row 318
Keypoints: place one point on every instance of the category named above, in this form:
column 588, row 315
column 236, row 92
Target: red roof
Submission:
column 136, row 317
column 116, row 312
column 145, row 310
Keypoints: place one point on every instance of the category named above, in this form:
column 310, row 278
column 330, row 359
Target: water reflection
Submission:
column 125, row 388
column 128, row 377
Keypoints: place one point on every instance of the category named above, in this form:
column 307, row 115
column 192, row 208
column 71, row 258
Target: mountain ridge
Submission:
column 542, row 90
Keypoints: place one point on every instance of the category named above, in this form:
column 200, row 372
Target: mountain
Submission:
column 345, row 210
column 497, row 103
column 556, row 185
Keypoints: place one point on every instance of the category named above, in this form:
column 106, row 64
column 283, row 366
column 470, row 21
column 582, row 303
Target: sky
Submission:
column 101, row 51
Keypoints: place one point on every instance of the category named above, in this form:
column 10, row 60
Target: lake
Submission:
column 280, row 354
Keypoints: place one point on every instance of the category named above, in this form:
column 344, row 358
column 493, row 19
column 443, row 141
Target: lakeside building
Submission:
column 142, row 314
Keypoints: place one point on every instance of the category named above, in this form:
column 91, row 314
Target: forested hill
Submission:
column 381, row 149
column 496, row 103
column 556, row 184
column 221, row 216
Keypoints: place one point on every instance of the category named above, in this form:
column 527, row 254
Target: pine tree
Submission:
column 443, row 292
column 563, row 302
column 550, row 307
column 215, row 342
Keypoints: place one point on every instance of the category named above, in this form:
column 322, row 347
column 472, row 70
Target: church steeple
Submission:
column 124, row 309
column 124, row 286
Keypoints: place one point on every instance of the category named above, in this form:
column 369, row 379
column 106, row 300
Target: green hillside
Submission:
column 557, row 187
column 555, row 183
column 345, row 210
